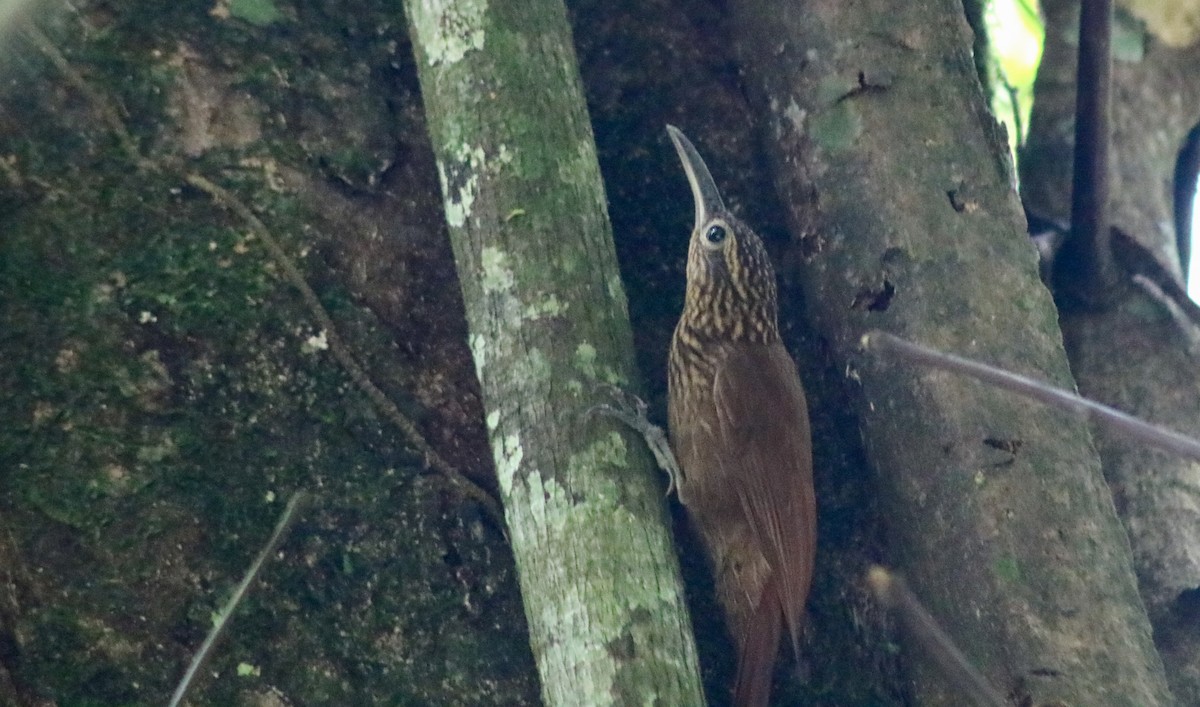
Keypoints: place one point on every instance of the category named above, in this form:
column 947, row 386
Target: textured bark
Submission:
column 900, row 194
column 646, row 63
column 1133, row 355
column 1155, row 99
column 166, row 389
column 548, row 320
column 158, row 391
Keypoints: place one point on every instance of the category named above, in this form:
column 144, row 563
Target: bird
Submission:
column 738, row 427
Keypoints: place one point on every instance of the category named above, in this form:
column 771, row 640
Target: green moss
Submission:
column 163, row 388
column 838, row 127
column 550, row 306
column 257, row 12
column 497, row 271
column 161, row 405
column 607, row 451
column 585, row 359
column 1007, row 569
column 833, row 88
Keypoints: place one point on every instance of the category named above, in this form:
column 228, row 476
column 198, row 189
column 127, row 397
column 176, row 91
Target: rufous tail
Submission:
column 760, row 646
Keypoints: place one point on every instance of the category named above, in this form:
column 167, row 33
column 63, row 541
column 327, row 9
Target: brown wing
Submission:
column 765, row 454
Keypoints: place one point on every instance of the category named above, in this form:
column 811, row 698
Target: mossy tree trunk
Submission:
column 548, row 327
column 1133, row 354
column 166, row 389
column 900, row 194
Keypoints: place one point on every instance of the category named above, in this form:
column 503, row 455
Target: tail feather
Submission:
column 760, row 646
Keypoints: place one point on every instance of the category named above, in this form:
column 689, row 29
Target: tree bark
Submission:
column 1133, row 354
column 645, row 64
column 900, row 196
column 166, row 390
column 163, row 383
column 548, row 321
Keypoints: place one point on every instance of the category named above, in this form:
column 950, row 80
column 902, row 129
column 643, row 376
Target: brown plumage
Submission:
column 739, row 429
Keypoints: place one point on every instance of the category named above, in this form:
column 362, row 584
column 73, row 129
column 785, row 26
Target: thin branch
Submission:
column 106, row 109
column 221, row 620
column 1186, row 326
column 892, row 592
column 1136, row 259
column 1111, row 418
column 342, row 353
column 227, row 200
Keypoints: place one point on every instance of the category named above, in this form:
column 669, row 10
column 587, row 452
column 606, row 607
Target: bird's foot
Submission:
column 631, row 410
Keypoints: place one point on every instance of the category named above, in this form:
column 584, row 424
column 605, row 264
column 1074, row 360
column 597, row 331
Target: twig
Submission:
column 221, row 620
column 108, row 112
column 1137, row 259
column 1186, row 326
column 227, row 200
column 342, row 353
column 1111, row 418
column 892, row 592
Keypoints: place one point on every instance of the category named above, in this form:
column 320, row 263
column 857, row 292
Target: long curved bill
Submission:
column 704, row 190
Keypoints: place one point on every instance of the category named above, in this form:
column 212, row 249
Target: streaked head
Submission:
column 731, row 283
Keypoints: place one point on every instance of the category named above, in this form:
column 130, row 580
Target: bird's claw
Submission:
column 631, row 410
column 625, row 406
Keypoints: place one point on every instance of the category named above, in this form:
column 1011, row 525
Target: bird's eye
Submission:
column 715, row 234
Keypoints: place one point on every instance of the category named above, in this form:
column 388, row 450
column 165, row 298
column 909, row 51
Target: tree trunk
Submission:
column 900, row 196
column 1133, row 354
column 548, row 321
column 646, row 64
column 166, row 389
